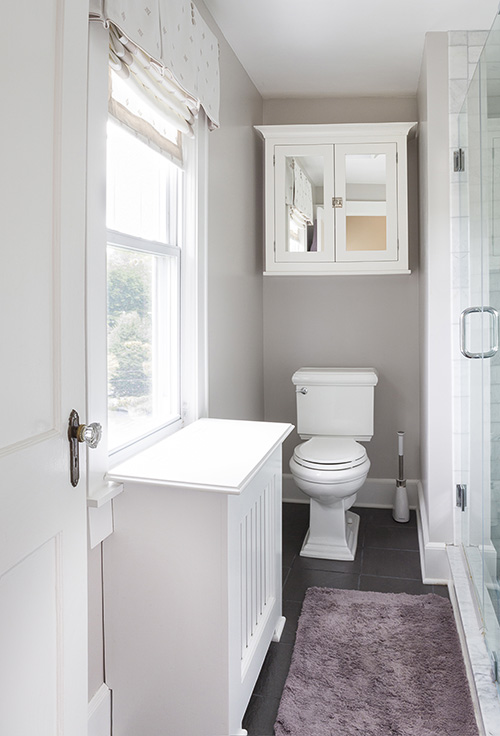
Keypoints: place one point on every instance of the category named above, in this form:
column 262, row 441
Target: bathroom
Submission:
column 401, row 325
column 260, row 330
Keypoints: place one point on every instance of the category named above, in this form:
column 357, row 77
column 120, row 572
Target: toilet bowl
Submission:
column 330, row 471
column 330, row 468
column 334, row 413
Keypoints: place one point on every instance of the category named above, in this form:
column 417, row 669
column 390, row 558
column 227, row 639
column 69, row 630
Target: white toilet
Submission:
column 334, row 411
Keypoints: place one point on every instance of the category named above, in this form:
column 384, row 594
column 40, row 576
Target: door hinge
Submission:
column 461, row 496
column 337, row 202
column 494, row 667
column 459, row 160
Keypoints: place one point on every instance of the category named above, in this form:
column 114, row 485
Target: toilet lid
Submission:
column 334, row 453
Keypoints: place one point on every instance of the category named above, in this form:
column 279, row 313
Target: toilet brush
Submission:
column 401, row 511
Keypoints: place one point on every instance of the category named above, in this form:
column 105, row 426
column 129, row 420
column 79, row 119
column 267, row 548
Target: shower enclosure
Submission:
column 477, row 299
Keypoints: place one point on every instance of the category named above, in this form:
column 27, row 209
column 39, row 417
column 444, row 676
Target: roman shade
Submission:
column 168, row 51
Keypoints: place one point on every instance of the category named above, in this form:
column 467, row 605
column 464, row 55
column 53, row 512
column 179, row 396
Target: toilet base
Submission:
column 340, row 546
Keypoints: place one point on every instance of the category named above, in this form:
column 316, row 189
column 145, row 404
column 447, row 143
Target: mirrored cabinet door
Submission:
column 366, row 196
column 303, row 204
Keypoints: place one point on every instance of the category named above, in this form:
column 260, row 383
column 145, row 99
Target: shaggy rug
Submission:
column 376, row 664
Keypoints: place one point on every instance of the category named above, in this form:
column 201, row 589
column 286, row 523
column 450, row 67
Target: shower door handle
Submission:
column 493, row 332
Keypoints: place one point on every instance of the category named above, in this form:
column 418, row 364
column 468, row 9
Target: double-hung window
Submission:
column 145, row 216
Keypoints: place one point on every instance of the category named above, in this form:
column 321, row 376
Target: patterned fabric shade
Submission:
column 169, row 51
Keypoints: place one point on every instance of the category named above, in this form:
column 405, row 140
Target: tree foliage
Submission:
column 129, row 326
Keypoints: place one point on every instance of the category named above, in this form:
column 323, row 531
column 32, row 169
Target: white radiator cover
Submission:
column 255, row 591
column 192, row 600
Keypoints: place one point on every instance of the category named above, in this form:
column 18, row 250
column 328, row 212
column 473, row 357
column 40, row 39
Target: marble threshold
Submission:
column 484, row 691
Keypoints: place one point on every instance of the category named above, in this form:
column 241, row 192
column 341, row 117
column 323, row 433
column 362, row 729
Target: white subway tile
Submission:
column 477, row 38
column 458, row 62
column 457, row 38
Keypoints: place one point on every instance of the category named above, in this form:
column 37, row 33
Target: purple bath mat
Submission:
column 376, row 664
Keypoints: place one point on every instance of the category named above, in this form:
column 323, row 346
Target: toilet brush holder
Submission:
column 401, row 510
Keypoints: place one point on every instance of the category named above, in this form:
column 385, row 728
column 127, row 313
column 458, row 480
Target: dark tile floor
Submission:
column 387, row 560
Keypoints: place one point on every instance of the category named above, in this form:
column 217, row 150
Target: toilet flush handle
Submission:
column 302, row 390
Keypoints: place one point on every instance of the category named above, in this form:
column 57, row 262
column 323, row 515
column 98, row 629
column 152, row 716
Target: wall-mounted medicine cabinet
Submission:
column 336, row 199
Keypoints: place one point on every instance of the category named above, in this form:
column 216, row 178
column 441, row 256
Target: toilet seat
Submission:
column 332, row 454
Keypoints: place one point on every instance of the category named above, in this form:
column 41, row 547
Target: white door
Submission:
column 43, row 596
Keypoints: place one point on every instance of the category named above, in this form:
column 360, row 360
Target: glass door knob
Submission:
column 89, row 433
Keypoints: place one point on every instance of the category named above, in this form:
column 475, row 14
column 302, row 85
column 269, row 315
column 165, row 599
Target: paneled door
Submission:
column 43, row 586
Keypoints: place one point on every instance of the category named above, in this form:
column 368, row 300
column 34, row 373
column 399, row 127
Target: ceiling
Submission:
column 329, row 48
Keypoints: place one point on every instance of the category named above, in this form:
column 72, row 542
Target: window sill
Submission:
column 104, row 494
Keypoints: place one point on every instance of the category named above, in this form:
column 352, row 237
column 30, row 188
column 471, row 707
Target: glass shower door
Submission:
column 479, row 366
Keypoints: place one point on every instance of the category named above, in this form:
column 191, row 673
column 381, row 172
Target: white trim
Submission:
column 349, row 270
column 197, row 233
column 433, row 557
column 132, row 242
column 375, row 493
column 99, row 523
column 103, row 494
column 96, row 309
column 99, row 712
column 379, row 493
column 322, row 133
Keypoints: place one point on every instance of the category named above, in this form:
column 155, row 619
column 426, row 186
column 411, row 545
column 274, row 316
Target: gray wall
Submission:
column 235, row 223
column 349, row 320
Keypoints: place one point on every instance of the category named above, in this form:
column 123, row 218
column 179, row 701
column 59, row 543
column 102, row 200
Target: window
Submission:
column 144, row 261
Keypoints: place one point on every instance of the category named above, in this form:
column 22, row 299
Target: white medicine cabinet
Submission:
column 336, row 198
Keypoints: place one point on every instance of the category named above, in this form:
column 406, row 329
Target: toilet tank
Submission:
column 335, row 402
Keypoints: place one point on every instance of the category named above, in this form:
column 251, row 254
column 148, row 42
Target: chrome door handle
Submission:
column 493, row 331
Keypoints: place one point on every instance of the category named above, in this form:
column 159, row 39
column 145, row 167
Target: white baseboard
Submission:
column 433, row 556
column 375, row 493
column 379, row 493
column 100, row 713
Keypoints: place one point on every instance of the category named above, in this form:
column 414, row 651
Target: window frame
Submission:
column 193, row 326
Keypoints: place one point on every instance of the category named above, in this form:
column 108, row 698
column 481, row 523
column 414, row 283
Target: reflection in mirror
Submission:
column 366, row 210
column 304, row 203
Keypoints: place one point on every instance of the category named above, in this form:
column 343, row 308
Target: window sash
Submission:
column 145, row 194
column 165, row 343
column 132, row 242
